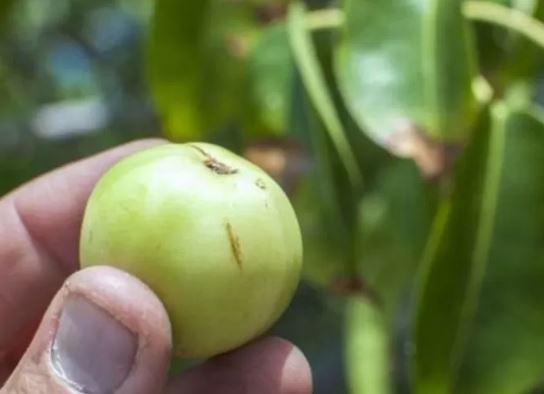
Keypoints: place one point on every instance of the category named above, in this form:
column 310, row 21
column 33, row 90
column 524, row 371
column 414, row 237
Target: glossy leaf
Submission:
column 405, row 66
column 367, row 349
column 505, row 349
column 454, row 262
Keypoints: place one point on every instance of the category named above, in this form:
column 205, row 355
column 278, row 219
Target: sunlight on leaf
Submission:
column 405, row 69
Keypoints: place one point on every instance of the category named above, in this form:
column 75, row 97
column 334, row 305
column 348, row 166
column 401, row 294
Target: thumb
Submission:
column 104, row 332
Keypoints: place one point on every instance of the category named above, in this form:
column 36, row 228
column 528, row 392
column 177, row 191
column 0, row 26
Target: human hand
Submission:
column 100, row 330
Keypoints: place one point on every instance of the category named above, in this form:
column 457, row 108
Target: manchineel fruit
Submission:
column 209, row 232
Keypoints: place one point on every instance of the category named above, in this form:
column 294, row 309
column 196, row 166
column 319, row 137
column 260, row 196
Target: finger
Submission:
column 39, row 235
column 51, row 207
column 268, row 366
column 105, row 332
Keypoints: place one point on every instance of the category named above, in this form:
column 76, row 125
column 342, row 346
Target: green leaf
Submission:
column 394, row 222
column 505, row 348
column 196, row 65
column 308, row 65
column 511, row 41
column 407, row 66
column 175, row 58
column 367, row 349
column 327, row 231
column 324, row 236
column 455, row 261
column 5, row 8
column 270, row 68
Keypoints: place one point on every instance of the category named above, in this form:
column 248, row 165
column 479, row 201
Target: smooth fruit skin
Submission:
column 212, row 234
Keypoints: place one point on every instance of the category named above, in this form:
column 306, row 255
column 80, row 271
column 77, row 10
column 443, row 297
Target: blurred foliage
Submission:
column 453, row 256
column 506, row 56
column 70, row 81
column 408, row 135
column 424, row 63
column 271, row 77
column 509, row 324
column 177, row 62
column 366, row 347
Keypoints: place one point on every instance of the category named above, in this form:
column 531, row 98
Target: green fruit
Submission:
column 212, row 234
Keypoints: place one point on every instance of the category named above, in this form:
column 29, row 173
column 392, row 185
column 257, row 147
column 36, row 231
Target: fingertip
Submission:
column 136, row 307
column 296, row 374
column 105, row 331
column 126, row 296
column 269, row 365
column 54, row 219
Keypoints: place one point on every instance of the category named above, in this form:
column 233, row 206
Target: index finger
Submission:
column 39, row 235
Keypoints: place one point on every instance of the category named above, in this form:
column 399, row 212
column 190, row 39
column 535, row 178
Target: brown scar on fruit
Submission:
column 234, row 245
column 213, row 164
column 260, row 184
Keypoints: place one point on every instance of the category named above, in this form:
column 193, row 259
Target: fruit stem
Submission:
column 213, row 164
